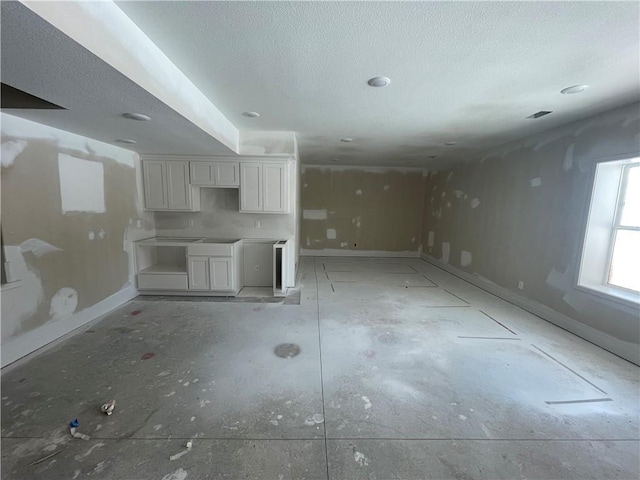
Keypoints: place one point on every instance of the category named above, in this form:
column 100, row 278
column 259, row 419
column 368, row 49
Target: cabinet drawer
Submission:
column 162, row 282
column 211, row 249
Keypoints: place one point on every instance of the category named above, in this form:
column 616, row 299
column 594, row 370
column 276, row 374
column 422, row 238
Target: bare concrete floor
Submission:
column 403, row 372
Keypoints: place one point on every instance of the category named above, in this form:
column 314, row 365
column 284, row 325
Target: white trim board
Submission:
column 627, row 350
column 54, row 330
column 334, row 252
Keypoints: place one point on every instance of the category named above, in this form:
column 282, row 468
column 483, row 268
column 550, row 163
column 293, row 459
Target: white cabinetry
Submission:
column 198, row 269
column 215, row 174
column 190, row 266
column 264, row 187
column 166, row 186
column 214, row 266
column 210, row 273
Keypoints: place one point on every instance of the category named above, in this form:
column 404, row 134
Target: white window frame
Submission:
column 601, row 223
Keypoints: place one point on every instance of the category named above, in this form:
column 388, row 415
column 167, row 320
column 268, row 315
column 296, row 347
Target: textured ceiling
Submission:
column 41, row 60
column 468, row 72
column 463, row 71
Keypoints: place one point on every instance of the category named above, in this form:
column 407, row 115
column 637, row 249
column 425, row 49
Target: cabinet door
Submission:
column 227, row 174
column 275, row 188
column 198, row 270
column 155, row 185
column 202, row 174
column 251, row 187
column 221, row 273
column 178, row 188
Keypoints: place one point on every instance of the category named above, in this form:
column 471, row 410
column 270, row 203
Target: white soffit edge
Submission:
column 107, row 32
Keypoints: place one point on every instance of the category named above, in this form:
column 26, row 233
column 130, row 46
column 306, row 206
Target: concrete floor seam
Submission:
column 324, row 423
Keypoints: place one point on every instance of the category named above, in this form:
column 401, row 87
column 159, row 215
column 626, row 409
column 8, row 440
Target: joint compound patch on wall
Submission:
column 38, row 247
column 63, row 303
column 465, row 258
column 331, row 234
column 567, row 163
column 536, row 182
column 446, row 250
column 458, row 193
column 10, row 151
column 430, row 238
column 81, row 184
column 358, row 192
column 314, row 214
column 475, row 203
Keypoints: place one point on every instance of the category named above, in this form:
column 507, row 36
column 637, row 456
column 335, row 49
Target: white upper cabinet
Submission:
column 166, row 186
column 227, row 174
column 155, row 185
column 251, row 187
column 264, row 187
column 274, row 181
column 215, row 174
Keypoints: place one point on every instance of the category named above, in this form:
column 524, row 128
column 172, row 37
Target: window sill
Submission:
column 618, row 295
column 11, row 285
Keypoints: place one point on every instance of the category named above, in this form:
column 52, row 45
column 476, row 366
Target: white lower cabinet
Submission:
column 221, row 273
column 198, row 271
column 210, row 273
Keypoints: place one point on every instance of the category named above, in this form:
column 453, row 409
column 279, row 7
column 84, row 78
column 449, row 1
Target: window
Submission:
column 624, row 266
column 610, row 263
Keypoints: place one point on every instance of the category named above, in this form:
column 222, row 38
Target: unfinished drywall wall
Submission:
column 70, row 210
column 350, row 210
column 514, row 219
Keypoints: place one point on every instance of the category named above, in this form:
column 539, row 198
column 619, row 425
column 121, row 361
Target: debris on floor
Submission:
column 108, row 407
column 73, row 425
column 183, row 452
column 46, row 458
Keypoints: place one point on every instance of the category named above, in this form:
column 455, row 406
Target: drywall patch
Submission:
column 446, row 251
column 430, row 238
column 568, row 158
column 536, row 182
column 449, row 176
column 102, row 233
column 20, row 303
column 386, row 187
column 91, row 235
column 475, row 203
column 343, row 244
column 314, row 214
column 63, row 303
column 465, row 258
column 10, row 151
column 458, row 193
column 38, row 247
column 81, row 184
column 358, row 192
column 331, row 233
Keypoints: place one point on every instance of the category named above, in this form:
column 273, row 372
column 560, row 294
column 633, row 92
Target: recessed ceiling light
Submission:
column 379, row 81
column 126, row 140
column 346, row 140
column 574, row 89
column 137, row 116
column 250, row 114
column 449, row 144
